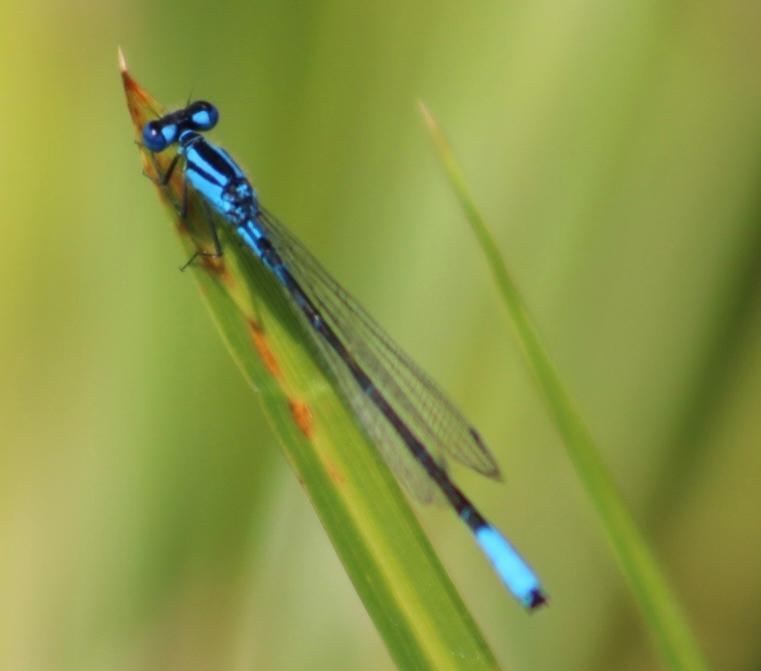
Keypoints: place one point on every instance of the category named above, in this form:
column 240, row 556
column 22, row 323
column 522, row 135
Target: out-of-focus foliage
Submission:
column 649, row 586
column 146, row 517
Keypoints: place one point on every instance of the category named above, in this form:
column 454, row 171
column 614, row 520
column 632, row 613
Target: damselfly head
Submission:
column 198, row 116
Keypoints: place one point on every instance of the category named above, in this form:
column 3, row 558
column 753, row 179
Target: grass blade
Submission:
column 400, row 580
column 659, row 605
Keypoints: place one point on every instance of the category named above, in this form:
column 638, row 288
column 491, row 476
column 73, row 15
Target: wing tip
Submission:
column 491, row 467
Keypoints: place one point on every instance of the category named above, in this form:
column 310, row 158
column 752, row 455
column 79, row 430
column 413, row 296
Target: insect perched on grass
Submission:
column 407, row 417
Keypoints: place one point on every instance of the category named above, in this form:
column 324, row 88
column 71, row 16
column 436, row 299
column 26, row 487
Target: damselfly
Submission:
column 407, row 417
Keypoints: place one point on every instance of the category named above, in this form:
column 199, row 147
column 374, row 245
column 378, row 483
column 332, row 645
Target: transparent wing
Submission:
column 424, row 408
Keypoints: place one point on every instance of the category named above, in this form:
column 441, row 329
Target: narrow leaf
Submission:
column 638, row 563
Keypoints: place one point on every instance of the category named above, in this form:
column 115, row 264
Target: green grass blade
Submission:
column 659, row 605
column 393, row 567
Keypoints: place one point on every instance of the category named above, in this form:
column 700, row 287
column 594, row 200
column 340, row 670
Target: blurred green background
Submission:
column 147, row 518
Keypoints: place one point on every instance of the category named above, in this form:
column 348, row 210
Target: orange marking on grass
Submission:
column 335, row 475
column 260, row 342
column 137, row 100
column 227, row 277
column 134, row 91
column 131, row 85
column 216, row 265
column 302, row 415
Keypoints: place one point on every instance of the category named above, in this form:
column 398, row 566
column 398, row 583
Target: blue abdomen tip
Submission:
column 517, row 575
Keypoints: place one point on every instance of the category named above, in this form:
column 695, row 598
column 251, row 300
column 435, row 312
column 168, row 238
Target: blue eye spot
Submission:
column 201, row 118
column 203, row 115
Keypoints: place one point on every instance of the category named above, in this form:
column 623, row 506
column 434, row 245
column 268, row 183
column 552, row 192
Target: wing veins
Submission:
column 440, row 425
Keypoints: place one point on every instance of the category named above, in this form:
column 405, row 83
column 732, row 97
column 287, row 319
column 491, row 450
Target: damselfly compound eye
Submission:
column 157, row 137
